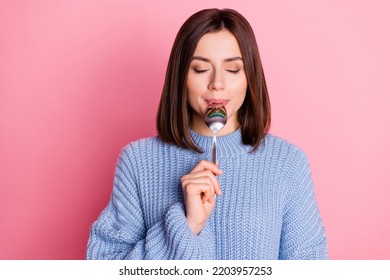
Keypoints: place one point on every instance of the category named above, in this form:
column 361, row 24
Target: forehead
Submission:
column 218, row 45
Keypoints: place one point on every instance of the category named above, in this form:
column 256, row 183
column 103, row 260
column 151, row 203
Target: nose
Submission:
column 217, row 81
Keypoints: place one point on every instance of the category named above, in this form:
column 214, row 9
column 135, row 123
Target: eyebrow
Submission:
column 208, row 60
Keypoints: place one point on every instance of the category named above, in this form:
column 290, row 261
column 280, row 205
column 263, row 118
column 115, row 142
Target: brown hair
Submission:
column 174, row 113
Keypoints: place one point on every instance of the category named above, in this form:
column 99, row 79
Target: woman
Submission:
column 170, row 202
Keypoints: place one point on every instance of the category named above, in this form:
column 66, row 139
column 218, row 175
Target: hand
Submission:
column 199, row 187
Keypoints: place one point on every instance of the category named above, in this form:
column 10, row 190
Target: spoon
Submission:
column 215, row 119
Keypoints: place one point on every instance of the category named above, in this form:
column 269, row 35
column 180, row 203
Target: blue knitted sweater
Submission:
column 267, row 209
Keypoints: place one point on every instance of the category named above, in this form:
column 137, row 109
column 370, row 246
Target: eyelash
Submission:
column 234, row 71
column 199, row 71
column 230, row 71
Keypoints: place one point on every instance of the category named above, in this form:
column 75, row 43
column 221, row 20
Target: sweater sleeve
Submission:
column 120, row 232
column 303, row 234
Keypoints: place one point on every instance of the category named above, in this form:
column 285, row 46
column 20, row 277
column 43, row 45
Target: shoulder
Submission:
column 148, row 148
column 280, row 145
column 143, row 143
column 286, row 154
column 143, row 146
column 293, row 164
column 137, row 152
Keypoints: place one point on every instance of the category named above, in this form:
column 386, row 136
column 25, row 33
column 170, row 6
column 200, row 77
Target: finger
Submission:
column 193, row 183
column 204, row 198
column 202, row 176
column 204, row 165
column 200, row 190
column 197, row 186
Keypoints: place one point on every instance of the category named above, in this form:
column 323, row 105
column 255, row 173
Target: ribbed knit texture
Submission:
column 267, row 209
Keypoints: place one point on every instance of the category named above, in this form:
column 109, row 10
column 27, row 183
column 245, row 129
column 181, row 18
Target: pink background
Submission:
column 80, row 79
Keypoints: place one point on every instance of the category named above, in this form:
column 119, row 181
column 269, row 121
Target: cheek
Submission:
column 239, row 86
column 244, row 86
column 239, row 92
column 194, row 87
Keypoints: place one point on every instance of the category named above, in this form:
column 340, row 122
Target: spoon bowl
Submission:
column 216, row 118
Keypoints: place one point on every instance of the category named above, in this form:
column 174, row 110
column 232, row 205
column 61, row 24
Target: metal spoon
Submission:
column 215, row 119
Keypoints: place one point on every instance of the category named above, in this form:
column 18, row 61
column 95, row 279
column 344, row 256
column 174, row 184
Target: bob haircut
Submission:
column 174, row 113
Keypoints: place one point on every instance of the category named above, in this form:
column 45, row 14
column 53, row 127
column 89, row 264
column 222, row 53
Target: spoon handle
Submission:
column 214, row 150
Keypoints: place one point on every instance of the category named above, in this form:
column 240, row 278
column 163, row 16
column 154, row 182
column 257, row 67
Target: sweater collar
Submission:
column 227, row 145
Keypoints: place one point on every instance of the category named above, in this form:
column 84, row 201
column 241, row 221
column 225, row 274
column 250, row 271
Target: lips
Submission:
column 217, row 101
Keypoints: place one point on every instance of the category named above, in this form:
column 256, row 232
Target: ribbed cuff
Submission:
column 173, row 239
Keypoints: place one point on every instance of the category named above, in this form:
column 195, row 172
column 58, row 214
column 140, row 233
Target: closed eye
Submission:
column 200, row 70
column 233, row 71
